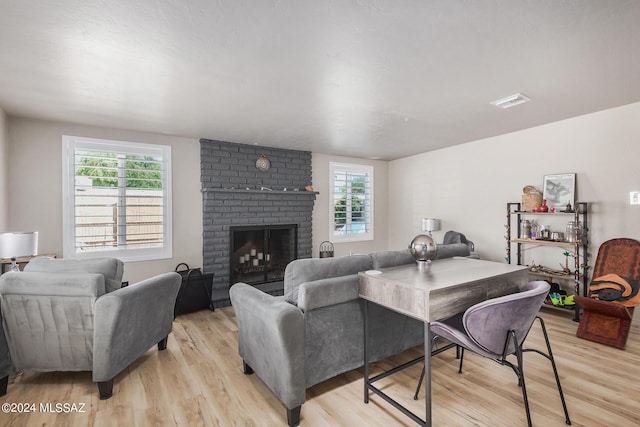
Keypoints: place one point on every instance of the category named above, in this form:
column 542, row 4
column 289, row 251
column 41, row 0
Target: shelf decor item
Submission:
column 531, row 198
column 544, row 208
column 560, row 190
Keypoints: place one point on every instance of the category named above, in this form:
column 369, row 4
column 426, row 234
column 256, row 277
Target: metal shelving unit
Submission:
column 579, row 273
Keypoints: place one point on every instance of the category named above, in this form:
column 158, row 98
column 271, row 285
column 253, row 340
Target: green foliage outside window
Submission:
column 102, row 168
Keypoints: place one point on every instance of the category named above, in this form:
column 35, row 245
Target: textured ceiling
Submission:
column 376, row 79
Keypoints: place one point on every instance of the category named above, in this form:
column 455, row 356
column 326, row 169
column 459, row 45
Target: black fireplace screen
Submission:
column 259, row 254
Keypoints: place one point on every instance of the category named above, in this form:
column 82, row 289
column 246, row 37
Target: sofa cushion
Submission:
column 612, row 287
column 326, row 292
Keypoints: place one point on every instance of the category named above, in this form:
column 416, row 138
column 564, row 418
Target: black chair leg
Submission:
column 162, row 345
column 4, row 383
column 461, row 358
column 293, row 416
column 520, row 373
column 105, row 388
column 567, row 420
column 415, row 396
column 246, row 369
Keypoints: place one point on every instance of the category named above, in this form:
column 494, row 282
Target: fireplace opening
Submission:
column 259, row 254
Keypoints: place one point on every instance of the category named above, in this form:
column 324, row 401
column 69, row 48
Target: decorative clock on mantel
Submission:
column 263, row 164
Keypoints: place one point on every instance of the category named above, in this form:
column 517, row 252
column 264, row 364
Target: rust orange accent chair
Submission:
column 608, row 322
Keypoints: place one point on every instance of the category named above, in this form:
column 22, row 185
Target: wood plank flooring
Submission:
column 198, row 381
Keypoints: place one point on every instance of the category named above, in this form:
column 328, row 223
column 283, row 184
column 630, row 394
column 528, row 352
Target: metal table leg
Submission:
column 368, row 386
column 427, row 372
column 366, row 352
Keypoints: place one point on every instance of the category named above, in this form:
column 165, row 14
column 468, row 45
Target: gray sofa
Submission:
column 72, row 315
column 316, row 331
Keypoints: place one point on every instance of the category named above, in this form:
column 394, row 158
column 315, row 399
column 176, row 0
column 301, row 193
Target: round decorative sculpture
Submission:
column 423, row 248
column 263, row 164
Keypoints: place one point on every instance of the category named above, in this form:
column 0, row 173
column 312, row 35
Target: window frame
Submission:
column 69, row 146
column 350, row 168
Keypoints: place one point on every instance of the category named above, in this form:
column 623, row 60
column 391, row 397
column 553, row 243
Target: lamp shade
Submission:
column 19, row 244
column 430, row 224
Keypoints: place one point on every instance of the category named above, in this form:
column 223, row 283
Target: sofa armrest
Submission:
column 271, row 341
column 130, row 320
column 326, row 292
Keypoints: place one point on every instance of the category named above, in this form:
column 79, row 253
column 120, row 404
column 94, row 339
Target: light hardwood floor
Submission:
column 198, row 381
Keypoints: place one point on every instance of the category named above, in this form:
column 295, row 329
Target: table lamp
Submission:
column 430, row 224
column 18, row 244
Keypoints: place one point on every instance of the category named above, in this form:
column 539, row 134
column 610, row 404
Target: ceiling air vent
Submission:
column 511, row 101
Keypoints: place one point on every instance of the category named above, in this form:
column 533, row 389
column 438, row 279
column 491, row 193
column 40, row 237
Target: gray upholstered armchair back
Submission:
column 55, row 298
column 111, row 268
column 49, row 323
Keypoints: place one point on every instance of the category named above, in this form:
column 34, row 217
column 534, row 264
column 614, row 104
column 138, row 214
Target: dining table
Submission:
column 429, row 291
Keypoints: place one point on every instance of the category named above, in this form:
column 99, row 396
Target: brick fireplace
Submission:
column 237, row 194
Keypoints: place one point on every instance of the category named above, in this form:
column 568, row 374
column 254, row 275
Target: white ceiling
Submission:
column 376, row 79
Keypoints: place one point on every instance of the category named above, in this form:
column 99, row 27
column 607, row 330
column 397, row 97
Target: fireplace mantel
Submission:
column 255, row 191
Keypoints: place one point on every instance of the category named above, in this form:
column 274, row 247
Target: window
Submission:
column 351, row 204
column 117, row 199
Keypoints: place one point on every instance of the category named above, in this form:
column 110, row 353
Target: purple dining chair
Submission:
column 497, row 328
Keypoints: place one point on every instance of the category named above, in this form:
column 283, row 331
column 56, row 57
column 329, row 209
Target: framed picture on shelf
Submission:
column 560, row 190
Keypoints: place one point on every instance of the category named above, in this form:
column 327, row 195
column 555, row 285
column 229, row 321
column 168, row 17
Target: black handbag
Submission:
column 195, row 290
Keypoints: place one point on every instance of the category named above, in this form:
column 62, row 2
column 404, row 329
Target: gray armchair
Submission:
column 454, row 237
column 72, row 315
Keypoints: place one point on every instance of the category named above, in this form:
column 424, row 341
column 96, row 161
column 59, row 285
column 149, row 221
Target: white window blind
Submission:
column 351, row 207
column 117, row 199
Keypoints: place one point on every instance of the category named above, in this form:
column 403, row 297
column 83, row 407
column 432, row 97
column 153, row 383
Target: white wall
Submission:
column 468, row 186
column 4, row 171
column 35, row 191
column 35, row 174
column 320, row 175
